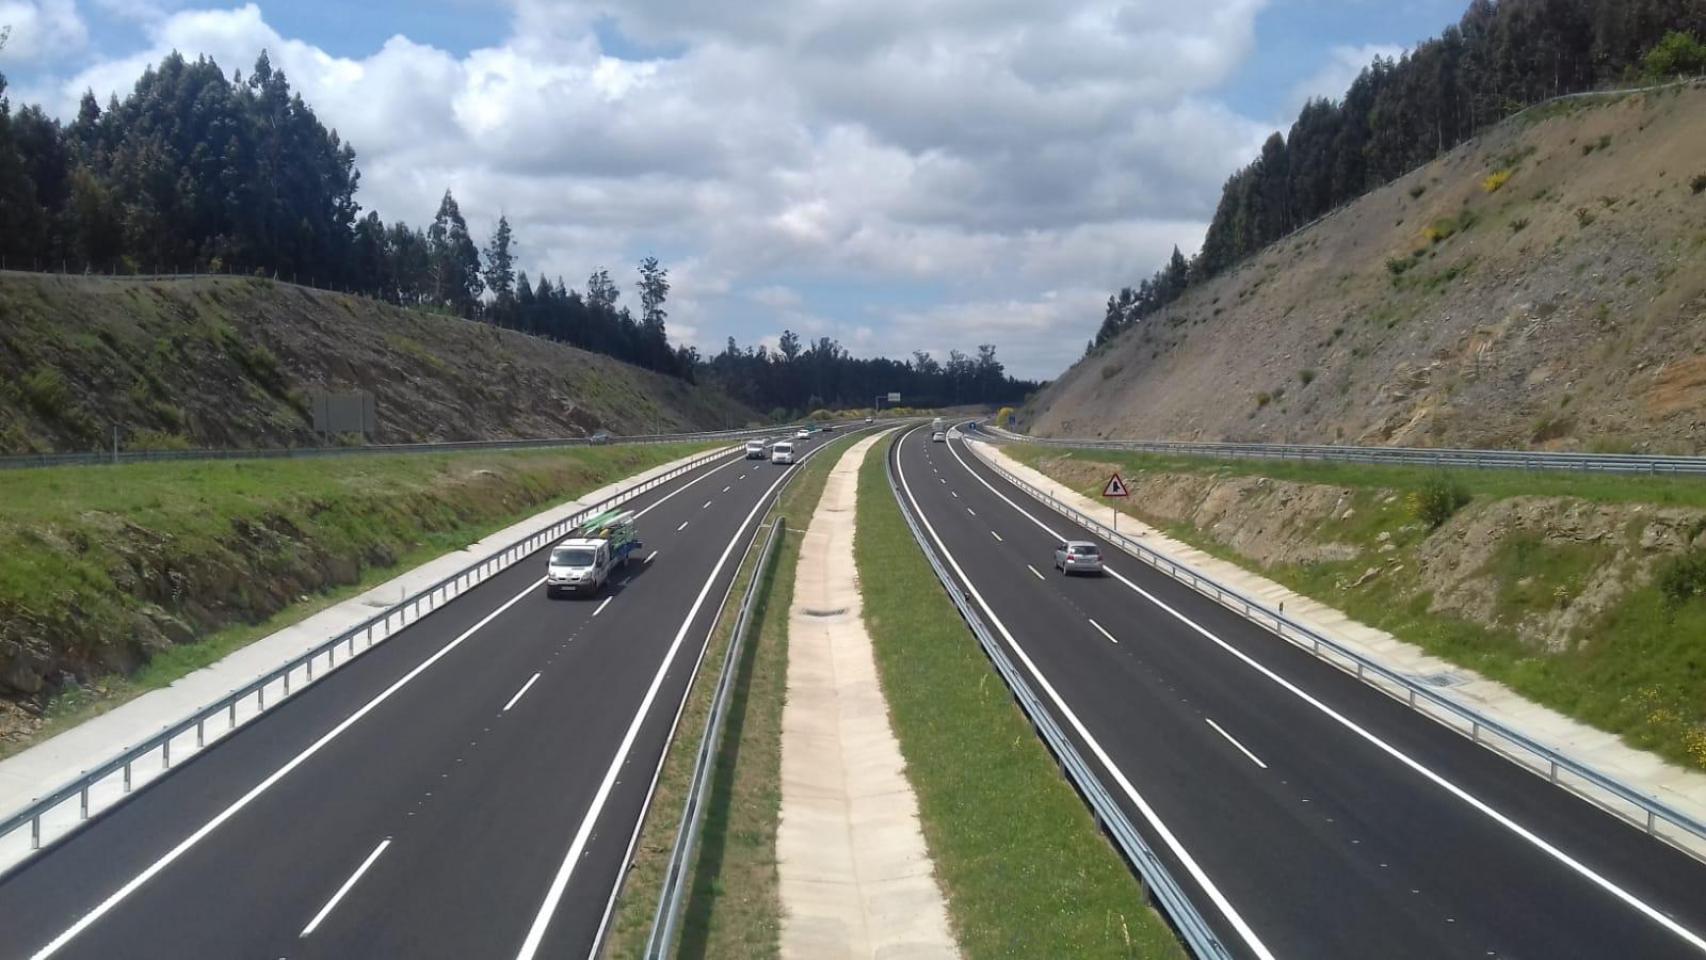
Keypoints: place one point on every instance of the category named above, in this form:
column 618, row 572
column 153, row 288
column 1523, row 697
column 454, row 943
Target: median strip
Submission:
column 992, row 803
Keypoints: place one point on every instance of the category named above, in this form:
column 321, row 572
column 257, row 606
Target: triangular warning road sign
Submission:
column 1115, row 488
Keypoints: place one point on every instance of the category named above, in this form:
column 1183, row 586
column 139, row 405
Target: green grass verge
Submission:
column 1637, row 670
column 1026, row 870
column 733, row 906
column 90, row 555
column 1485, row 484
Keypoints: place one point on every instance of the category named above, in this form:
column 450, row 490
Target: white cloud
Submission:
column 1335, row 76
column 1016, row 162
column 41, row 29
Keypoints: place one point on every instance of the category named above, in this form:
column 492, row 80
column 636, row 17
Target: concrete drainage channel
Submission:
column 1422, row 694
column 60, row 813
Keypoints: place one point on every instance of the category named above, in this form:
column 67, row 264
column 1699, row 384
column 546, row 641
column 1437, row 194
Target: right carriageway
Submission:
column 1306, row 814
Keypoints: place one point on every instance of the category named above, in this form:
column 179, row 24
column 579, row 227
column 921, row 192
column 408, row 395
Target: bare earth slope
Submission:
column 229, row 363
column 1564, row 307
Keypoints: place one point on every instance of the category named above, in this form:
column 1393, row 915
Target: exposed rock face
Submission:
column 1564, row 310
column 1466, row 567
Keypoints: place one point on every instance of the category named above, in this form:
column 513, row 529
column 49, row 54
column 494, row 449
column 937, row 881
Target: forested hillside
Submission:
column 197, row 171
column 1543, row 285
column 1398, row 114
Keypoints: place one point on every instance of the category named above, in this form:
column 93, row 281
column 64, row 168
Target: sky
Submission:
column 897, row 174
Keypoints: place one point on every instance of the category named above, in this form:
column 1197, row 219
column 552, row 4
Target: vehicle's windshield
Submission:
column 571, row 557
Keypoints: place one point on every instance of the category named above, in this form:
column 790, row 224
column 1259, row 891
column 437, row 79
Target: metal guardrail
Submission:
column 1193, row 930
column 220, row 717
column 1640, row 809
column 35, row 460
column 1399, row 456
column 667, row 922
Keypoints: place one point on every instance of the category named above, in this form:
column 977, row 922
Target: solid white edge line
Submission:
column 1101, row 630
column 148, row 873
column 1539, row 843
column 602, row 605
column 1034, row 570
column 657, row 773
column 560, row 882
column 1234, row 741
column 1172, row 842
column 524, row 688
column 332, row 904
column 165, row 860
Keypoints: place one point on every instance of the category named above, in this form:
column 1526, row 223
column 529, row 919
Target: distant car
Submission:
column 1078, row 556
column 755, row 450
column 870, row 419
column 803, row 435
column 939, row 437
column 782, row 452
column 828, row 428
column 600, row 438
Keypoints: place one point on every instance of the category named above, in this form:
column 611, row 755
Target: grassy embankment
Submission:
column 1025, row 868
column 1637, row 669
column 136, row 575
column 733, row 908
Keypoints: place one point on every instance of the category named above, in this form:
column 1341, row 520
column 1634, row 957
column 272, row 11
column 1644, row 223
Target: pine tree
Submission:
column 500, row 264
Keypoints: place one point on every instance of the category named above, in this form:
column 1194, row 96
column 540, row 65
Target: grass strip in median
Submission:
column 734, row 910
column 1026, row 870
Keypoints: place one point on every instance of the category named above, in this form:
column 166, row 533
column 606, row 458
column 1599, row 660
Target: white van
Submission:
column 782, row 452
column 755, row 450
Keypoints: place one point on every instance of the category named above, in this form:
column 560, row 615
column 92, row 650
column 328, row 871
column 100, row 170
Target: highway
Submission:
column 469, row 788
column 1306, row 814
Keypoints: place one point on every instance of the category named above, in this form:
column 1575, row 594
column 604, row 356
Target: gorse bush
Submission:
column 1496, row 181
column 1439, row 498
column 1678, row 54
column 1683, row 578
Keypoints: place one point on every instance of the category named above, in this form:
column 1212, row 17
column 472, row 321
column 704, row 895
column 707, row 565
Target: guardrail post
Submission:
column 200, row 732
column 166, row 754
column 83, row 804
column 35, row 833
column 127, row 776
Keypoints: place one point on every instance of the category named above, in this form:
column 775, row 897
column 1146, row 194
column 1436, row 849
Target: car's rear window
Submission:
column 1084, row 551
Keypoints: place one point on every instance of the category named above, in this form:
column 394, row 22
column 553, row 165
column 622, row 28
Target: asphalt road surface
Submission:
column 1306, row 814
column 469, row 788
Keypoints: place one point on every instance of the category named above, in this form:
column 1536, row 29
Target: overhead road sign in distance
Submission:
column 894, row 398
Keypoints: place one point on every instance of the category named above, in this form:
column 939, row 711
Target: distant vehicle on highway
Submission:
column 755, row 450
column 938, row 424
column 870, row 419
column 583, row 563
column 828, row 428
column 803, row 435
column 1078, row 556
column 600, row 438
column 939, row 437
column 782, row 452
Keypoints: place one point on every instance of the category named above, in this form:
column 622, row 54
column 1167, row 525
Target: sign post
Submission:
column 1115, row 489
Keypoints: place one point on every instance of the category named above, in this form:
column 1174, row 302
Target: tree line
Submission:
column 194, row 171
column 801, row 376
column 1399, row 114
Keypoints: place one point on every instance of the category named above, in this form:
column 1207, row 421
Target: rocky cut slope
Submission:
column 221, row 362
column 1543, row 285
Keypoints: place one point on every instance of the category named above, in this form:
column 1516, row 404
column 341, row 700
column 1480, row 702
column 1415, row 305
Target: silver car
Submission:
column 1078, row 556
